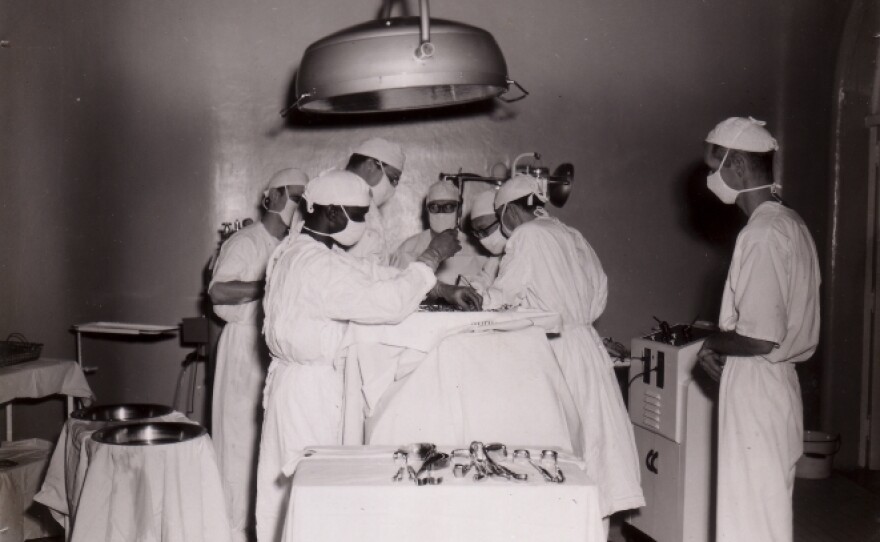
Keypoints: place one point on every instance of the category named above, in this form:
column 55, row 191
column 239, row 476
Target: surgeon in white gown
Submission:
column 769, row 321
column 442, row 204
column 313, row 291
column 550, row 266
column 236, row 291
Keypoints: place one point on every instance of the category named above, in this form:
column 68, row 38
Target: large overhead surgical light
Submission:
column 401, row 63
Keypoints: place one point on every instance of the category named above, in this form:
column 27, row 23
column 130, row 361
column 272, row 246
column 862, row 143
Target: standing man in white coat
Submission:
column 769, row 321
column 379, row 163
column 236, row 291
column 313, row 291
column 551, row 267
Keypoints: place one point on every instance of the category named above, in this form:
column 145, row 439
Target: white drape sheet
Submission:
column 18, row 484
column 41, row 378
column 353, row 498
column 62, row 486
column 433, row 378
column 167, row 493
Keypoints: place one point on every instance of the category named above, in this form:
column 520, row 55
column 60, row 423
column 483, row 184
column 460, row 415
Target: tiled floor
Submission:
column 844, row 507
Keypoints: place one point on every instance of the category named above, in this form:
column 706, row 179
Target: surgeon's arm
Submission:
column 713, row 355
column 235, row 292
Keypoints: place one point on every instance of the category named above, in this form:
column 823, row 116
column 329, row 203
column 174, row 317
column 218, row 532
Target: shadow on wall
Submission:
column 704, row 218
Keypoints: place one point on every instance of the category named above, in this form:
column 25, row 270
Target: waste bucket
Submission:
column 819, row 450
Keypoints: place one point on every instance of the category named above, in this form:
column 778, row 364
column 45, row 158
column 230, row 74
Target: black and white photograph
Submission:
column 465, row 271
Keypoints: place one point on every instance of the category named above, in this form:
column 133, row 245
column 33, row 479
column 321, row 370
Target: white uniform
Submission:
column 471, row 262
column 550, row 266
column 242, row 359
column 373, row 245
column 772, row 294
column 311, row 295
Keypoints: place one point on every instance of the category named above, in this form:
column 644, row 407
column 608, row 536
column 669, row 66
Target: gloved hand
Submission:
column 463, row 297
column 442, row 246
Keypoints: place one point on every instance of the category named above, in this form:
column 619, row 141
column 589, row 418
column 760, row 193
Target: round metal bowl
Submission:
column 148, row 434
column 121, row 413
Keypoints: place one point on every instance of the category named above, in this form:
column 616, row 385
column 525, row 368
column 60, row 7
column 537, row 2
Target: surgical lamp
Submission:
column 401, row 63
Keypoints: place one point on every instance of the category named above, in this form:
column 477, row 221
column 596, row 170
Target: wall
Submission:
column 845, row 387
column 135, row 128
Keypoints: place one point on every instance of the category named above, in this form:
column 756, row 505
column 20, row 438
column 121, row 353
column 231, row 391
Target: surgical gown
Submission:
column 311, row 294
column 550, row 266
column 477, row 267
column 772, row 294
column 242, row 359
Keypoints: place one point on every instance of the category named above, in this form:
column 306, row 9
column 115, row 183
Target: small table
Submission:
column 62, row 486
column 41, row 378
column 168, row 492
column 338, row 497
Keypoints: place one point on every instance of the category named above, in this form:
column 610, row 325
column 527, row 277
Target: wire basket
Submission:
column 17, row 349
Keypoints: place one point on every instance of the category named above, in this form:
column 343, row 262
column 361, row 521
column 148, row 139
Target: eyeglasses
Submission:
column 394, row 179
column 487, row 231
column 435, row 208
column 295, row 198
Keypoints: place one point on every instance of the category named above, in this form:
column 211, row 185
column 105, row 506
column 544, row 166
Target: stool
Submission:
column 151, row 481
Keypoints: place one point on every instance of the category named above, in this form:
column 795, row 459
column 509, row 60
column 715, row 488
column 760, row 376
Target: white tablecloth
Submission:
column 18, row 483
column 62, row 486
column 353, row 498
column 454, row 377
column 167, row 493
column 41, row 378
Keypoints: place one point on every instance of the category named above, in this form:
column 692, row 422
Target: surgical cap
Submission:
column 484, row 204
column 286, row 177
column 383, row 151
column 518, row 186
column 442, row 190
column 744, row 134
column 337, row 187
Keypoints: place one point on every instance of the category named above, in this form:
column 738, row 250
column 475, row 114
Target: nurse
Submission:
column 485, row 229
column 551, row 267
column 442, row 204
column 379, row 163
column 769, row 321
column 236, row 289
column 315, row 289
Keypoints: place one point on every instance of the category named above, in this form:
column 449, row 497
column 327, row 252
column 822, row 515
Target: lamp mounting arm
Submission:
column 426, row 48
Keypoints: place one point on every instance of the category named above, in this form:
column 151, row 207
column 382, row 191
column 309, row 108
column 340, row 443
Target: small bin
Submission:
column 819, row 450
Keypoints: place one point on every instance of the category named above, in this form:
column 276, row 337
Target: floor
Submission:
column 844, row 507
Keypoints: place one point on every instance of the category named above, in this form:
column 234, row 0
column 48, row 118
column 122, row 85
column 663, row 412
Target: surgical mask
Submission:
column 494, row 242
column 383, row 191
column 287, row 212
column 352, row 232
column 715, row 183
column 504, row 229
column 441, row 222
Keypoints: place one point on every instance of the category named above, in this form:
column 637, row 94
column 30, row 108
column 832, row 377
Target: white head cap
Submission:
column 442, row 190
column 484, row 204
column 383, row 151
column 337, row 187
column 518, row 186
column 286, row 177
column 744, row 134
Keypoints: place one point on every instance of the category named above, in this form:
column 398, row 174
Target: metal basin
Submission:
column 148, row 434
column 121, row 413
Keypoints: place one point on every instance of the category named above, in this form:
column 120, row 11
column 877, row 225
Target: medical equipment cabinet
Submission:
column 672, row 418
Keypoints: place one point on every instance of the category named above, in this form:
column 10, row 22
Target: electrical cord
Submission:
column 633, row 379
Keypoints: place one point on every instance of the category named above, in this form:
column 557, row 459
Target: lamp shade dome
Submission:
column 377, row 66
